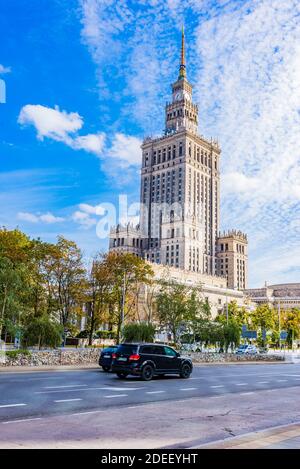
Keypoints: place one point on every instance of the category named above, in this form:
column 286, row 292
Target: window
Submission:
column 170, row 352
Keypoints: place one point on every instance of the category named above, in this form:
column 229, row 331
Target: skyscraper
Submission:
column 180, row 194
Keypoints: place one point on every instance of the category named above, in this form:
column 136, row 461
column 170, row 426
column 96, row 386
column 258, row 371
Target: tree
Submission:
column 43, row 332
column 99, row 290
column 177, row 306
column 138, row 332
column 66, row 280
column 263, row 318
column 291, row 323
column 128, row 274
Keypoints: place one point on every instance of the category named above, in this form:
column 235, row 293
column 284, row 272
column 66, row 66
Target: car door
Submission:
column 171, row 360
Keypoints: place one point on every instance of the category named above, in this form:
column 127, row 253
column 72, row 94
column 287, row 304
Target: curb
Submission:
column 26, row 369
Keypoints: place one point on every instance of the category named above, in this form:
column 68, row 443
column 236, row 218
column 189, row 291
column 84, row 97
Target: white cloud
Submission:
column 48, row 217
column 93, row 143
column 4, row 69
column 83, row 219
column 51, row 123
column 125, row 148
column 60, row 126
column 25, row 216
column 92, row 209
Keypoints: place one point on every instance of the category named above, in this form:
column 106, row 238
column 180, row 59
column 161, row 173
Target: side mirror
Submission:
column 178, row 354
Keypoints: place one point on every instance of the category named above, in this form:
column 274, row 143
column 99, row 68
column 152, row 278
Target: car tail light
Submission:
column 134, row 357
column 114, row 355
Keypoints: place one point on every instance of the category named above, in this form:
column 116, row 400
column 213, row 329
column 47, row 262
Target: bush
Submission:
column 14, row 353
column 42, row 332
column 83, row 334
column 138, row 332
column 106, row 334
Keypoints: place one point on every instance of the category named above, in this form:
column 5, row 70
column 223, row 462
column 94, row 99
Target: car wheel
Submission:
column 185, row 371
column 121, row 375
column 105, row 368
column 147, row 373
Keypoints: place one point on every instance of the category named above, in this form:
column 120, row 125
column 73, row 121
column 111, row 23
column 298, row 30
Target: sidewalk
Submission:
column 283, row 437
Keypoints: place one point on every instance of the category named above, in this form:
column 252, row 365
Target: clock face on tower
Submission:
column 178, row 96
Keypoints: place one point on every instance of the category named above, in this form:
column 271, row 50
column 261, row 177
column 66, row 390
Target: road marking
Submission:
column 66, row 386
column 12, row 405
column 21, row 420
column 241, row 384
column 218, row 386
column 67, row 390
column 188, row 389
column 86, row 413
column 246, row 393
column 263, row 382
column 68, row 400
column 116, row 395
column 112, row 388
column 154, row 392
column 281, row 380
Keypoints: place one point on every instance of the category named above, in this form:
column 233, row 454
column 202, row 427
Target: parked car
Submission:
column 246, row 349
column 147, row 360
column 105, row 358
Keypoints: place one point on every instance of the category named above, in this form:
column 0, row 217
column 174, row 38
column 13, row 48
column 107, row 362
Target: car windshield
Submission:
column 242, row 347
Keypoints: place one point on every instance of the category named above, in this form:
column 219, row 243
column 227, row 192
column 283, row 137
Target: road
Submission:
column 90, row 408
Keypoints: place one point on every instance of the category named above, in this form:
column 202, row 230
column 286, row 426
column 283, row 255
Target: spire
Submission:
column 182, row 71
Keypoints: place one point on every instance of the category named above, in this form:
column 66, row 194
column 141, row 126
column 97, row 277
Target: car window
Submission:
column 158, row 350
column 147, row 349
column 170, row 352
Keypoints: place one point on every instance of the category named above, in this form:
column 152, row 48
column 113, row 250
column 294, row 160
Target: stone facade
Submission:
column 180, row 198
column 232, row 255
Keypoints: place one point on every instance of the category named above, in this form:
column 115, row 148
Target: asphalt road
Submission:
column 33, row 405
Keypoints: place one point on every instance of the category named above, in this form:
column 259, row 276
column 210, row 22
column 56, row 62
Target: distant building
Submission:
column 180, row 201
column 285, row 295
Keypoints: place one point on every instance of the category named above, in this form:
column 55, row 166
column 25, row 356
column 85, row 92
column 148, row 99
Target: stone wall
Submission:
column 91, row 356
column 210, row 357
column 53, row 357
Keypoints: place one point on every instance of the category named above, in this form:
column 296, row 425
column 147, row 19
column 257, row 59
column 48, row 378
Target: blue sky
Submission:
column 88, row 79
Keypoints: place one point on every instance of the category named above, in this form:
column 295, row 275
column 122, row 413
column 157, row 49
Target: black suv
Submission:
column 147, row 360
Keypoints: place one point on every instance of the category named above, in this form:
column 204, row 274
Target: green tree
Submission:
column 138, row 332
column 42, row 332
column 263, row 318
column 66, row 280
column 128, row 273
column 177, row 306
column 291, row 323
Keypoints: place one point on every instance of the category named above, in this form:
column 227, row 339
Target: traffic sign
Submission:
column 283, row 335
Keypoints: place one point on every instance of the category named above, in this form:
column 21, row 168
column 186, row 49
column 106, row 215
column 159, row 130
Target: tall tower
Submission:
column 180, row 186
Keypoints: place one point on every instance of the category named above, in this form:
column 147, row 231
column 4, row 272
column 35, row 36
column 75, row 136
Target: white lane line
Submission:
column 263, row 382
column 154, row 392
column 218, row 386
column 11, row 405
column 112, row 388
column 21, row 420
column 241, row 384
column 116, row 395
column 68, row 400
column 281, row 380
column 86, row 413
column 66, row 386
column 187, row 389
column 67, row 390
column 247, row 393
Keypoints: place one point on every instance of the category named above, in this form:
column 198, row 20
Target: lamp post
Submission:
column 279, row 325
